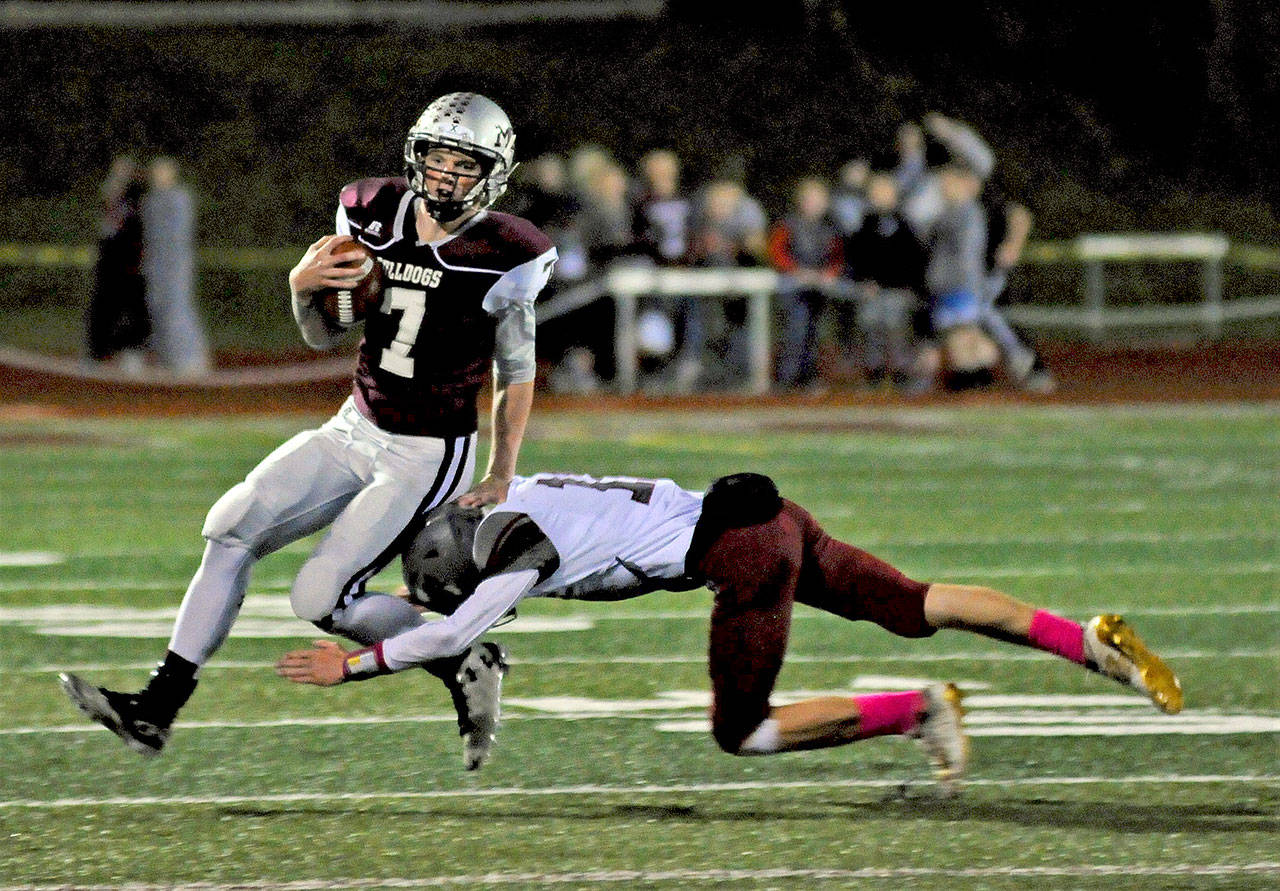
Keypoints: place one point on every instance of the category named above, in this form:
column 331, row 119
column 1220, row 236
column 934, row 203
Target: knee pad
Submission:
column 226, row 520
column 317, row 590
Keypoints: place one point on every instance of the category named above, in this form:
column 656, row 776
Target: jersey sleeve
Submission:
column 521, row 284
column 514, row 358
column 493, row 598
column 511, row 300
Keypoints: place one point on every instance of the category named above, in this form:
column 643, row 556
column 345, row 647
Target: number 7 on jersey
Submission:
column 413, row 303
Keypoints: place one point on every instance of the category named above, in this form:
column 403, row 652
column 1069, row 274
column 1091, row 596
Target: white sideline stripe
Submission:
column 684, row 876
column 593, row 789
column 1012, row 656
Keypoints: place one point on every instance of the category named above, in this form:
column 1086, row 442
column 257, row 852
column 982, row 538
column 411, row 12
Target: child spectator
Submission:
column 955, row 277
column 886, row 261
column 805, row 249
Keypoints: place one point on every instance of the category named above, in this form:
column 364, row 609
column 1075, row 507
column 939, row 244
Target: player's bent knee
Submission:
column 316, row 591
column 226, row 521
column 764, row 740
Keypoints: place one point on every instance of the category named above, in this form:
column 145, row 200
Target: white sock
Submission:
column 764, row 740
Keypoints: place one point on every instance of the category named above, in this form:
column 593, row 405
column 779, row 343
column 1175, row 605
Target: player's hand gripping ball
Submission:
column 346, row 307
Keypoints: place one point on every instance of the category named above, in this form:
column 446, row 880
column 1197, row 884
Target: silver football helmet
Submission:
column 468, row 123
column 437, row 565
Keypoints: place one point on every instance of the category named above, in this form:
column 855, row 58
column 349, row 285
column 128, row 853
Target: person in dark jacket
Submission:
column 116, row 323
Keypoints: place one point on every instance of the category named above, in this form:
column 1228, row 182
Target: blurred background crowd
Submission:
column 889, row 269
column 804, row 138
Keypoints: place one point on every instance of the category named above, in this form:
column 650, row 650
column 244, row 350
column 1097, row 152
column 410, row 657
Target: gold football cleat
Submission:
column 941, row 733
column 1113, row 648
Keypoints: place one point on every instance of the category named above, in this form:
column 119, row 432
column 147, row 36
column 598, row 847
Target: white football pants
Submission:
column 367, row 485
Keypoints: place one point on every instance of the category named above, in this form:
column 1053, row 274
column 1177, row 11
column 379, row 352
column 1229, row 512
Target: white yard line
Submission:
column 178, row 584
column 657, row 659
column 595, row 789
column 47, row 558
column 672, row 717
column 687, row 877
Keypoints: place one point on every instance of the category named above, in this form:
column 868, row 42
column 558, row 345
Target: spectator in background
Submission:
column 603, row 226
column 661, row 211
column 886, row 260
column 911, row 166
column 116, row 322
column 921, row 160
column 660, row 229
column 849, row 197
column 541, row 194
column 805, row 248
column 1009, row 224
column 168, row 266
column 729, row 229
column 925, row 152
column 604, row 222
column 955, row 278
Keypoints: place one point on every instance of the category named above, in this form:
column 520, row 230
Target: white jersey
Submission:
column 616, row 536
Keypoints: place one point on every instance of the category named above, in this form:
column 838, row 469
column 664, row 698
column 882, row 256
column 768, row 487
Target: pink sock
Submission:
column 884, row 713
column 1057, row 635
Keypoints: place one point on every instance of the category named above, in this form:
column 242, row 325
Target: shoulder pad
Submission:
column 497, row 241
column 374, row 198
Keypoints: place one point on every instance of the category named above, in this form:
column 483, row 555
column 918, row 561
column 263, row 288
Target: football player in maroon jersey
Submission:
column 460, row 282
column 608, row 538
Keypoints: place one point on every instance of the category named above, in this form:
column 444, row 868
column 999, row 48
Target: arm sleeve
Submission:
column 966, row 144
column 493, row 598
column 511, row 300
column 514, row 359
column 316, row 332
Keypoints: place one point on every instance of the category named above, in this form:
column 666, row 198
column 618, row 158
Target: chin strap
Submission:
column 444, row 211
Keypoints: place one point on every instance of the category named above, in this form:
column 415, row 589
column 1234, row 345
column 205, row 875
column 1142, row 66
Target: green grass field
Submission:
column 603, row 776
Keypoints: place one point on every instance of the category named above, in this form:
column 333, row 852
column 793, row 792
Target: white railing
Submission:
column 1095, row 251
column 627, row 284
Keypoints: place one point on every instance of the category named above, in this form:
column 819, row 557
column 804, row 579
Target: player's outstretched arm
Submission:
column 327, row 664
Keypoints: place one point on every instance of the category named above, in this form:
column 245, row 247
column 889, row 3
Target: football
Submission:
column 346, row 307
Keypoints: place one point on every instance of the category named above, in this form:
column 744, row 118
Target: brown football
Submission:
column 344, row 308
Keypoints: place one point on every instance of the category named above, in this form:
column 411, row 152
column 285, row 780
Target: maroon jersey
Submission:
column 428, row 348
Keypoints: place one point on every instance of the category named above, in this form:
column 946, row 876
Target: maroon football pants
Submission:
column 758, row 573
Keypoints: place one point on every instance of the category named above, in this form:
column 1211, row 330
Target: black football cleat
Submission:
column 121, row 713
column 477, row 695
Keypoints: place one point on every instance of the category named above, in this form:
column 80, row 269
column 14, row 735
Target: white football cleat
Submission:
column 1112, row 648
column 941, row 734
